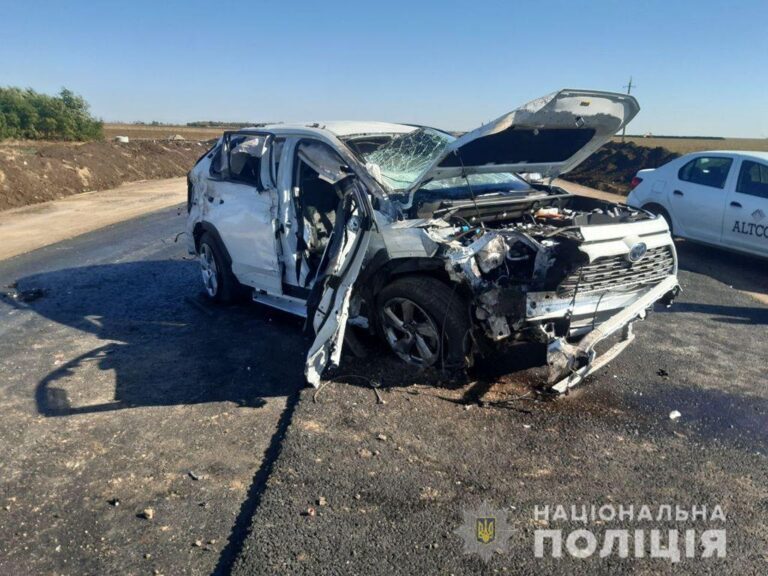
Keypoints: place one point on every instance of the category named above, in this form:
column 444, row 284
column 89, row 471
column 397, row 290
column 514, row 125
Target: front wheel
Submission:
column 424, row 322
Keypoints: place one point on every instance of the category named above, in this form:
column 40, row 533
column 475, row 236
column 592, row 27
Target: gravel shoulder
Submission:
column 31, row 227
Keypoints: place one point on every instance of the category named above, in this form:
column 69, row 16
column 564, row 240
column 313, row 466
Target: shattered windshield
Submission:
column 403, row 160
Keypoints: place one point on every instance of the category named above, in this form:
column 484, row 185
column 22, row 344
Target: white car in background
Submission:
column 713, row 197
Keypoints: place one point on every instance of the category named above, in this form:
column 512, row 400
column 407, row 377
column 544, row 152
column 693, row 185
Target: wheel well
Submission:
column 661, row 211
column 382, row 271
column 203, row 227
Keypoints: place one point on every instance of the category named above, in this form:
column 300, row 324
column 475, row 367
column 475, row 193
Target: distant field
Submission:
column 678, row 145
column 160, row 132
column 686, row 145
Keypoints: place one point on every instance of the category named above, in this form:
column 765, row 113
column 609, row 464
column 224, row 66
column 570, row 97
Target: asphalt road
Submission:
column 121, row 392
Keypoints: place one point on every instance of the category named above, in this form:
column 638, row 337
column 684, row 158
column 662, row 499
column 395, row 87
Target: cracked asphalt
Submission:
column 124, row 396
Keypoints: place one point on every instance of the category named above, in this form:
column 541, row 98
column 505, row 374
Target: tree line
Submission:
column 27, row 114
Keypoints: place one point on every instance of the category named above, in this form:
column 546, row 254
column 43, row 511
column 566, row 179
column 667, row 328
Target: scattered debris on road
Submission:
column 674, row 415
column 29, row 295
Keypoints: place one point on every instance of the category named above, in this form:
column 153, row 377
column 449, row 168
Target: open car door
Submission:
column 328, row 302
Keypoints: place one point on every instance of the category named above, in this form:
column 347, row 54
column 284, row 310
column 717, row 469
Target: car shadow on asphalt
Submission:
column 725, row 314
column 165, row 346
column 162, row 343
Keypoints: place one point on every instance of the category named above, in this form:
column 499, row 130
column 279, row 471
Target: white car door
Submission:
column 241, row 202
column 746, row 213
column 697, row 197
column 328, row 303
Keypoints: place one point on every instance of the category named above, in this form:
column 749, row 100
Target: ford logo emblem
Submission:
column 637, row 252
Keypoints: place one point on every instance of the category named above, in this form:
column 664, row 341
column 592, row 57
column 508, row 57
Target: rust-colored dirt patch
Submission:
column 33, row 172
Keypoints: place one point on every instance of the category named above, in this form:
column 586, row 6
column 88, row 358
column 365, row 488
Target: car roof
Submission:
column 741, row 153
column 342, row 128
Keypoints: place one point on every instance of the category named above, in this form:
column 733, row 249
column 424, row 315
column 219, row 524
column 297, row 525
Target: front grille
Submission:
column 616, row 273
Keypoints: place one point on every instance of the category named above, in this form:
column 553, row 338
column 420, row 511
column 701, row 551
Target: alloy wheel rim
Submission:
column 410, row 332
column 208, row 270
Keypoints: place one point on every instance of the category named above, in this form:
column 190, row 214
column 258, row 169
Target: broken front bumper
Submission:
column 569, row 364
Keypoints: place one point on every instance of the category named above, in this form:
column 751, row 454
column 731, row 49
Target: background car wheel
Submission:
column 661, row 211
column 424, row 322
column 218, row 281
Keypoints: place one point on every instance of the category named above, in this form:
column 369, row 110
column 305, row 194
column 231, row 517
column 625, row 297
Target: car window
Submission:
column 216, row 164
column 753, row 179
column 245, row 152
column 276, row 154
column 707, row 171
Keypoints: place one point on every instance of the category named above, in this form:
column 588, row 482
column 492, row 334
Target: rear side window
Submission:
column 753, row 179
column 245, row 154
column 707, row 171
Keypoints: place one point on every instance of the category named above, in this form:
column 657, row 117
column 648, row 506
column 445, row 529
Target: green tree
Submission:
column 29, row 114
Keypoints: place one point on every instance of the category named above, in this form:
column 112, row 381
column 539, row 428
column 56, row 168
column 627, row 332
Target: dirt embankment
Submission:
column 614, row 165
column 32, row 172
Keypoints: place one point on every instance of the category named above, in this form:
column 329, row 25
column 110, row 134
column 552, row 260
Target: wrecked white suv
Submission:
column 439, row 244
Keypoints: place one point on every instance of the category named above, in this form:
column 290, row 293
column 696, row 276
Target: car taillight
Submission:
column 635, row 182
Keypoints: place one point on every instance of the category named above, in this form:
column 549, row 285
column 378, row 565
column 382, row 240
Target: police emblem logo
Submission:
column 485, row 529
column 758, row 215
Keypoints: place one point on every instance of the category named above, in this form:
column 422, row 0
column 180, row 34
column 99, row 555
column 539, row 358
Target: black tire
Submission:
column 661, row 211
column 446, row 310
column 226, row 289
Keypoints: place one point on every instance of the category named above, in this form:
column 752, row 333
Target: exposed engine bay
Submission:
column 543, row 265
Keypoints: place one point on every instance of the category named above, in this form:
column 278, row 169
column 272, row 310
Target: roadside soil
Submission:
column 613, row 166
column 34, row 172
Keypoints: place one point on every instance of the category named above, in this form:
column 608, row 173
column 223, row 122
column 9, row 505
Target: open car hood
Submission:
column 550, row 135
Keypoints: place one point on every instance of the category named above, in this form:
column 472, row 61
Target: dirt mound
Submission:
column 32, row 172
column 614, row 165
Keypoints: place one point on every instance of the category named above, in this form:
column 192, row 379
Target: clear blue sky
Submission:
column 700, row 66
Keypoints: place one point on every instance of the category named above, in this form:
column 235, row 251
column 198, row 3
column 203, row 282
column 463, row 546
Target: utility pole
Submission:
column 629, row 91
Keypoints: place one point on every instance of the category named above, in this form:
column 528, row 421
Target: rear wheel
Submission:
column 218, row 281
column 424, row 322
